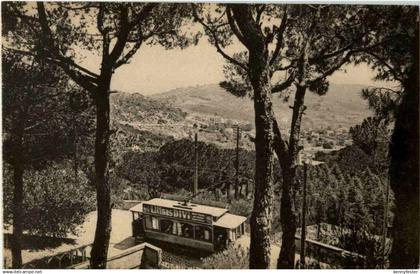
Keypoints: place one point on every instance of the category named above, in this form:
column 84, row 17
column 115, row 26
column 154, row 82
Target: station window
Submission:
column 238, row 231
column 232, row 234
column 148, row 220
column 187, row 230
column 178, row 230
column 167, row 226
column 203, row 233
column 152, row 222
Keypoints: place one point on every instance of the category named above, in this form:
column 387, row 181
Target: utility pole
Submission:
column 237, row 163
column 228, row 184
column 303, row 232
column 195, row 187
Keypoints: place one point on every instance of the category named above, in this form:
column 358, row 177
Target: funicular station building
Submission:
column 201, row 227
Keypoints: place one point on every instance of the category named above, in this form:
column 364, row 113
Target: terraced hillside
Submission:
column 341, row 106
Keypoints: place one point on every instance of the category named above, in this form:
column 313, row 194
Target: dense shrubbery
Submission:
column 350, row 159
column 345, row 199
column 234, row 257
column 336, row 194
column 54, row 203
column 365, row 244
column 172, row 167
column 241, row 207
column 344, row 191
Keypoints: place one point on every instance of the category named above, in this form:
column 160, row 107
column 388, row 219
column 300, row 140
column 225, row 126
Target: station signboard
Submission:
column 178, row 213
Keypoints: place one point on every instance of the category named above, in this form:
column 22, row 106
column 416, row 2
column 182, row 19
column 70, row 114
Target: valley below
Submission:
column 146, row 122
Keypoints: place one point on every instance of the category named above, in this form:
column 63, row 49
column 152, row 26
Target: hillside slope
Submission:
column 341, row 106
column 141, row 123
column 144, row 123
column 136, row 108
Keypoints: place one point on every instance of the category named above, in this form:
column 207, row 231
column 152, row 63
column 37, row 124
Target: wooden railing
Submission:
column 140, row 256
column 61, row 260
column 326, row 253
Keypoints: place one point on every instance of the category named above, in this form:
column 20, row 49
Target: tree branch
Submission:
column 395, row 74
column 255, row 39
column 331, row 54
column 279, row 36
column 46, row 31
column 143, row 14
column 29, row 21
column 298, row 109
column 216, row 42
column 234, row 27
column 129, row 54
column 124, row 31
column 104, row 32
column 280, row 146
column 86, row 81
column 83, row 7
column 333, row 67
column 282, row 86
column 33, row 126
column 260, row 10
column 280, row 68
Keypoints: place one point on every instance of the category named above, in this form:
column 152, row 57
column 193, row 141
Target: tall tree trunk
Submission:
column 103, row 226
column 18, row 170
column 288, row 219
column 404, row 173
column 259, row 75
column 261, row 218
column 289, row 164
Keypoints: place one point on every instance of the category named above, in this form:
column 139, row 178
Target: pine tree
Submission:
column 114, row 31
column 357, row 214
column 338, row 174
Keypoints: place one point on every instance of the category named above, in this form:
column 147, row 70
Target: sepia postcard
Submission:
column 163, row 135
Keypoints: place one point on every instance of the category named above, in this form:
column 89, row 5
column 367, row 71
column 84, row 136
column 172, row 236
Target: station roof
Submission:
column 230, row 221
column 209, row 210
column 137, row 208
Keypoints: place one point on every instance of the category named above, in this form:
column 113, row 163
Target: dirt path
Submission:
column 120, row 238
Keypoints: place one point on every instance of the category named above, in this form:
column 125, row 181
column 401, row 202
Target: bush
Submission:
column 241, row 207
column 247, row 127
column 367, row 245
column 54, row 203
column 234, row 257
column 328, row 145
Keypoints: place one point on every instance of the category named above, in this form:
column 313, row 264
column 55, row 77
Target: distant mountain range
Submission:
column 148, row 122
column 342, row 106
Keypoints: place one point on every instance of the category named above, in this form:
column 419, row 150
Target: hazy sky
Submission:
column 154, row 69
